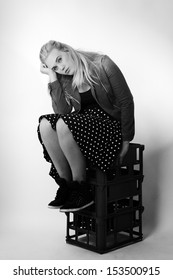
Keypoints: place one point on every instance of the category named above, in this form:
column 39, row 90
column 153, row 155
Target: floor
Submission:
column 42, row 237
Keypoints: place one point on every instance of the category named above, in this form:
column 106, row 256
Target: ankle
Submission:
column 62, row 182
column 80, row 179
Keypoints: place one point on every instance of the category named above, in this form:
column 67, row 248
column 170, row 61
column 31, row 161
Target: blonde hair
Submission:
column 86, row 69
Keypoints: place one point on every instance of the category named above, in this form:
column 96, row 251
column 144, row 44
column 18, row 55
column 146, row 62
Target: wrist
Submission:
column 126, row 142
column 52, row 76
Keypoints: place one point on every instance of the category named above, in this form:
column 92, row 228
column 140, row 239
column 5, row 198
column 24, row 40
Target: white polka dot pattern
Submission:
column 97, row 134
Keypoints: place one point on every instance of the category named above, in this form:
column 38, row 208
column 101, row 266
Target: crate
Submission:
column 115, row 219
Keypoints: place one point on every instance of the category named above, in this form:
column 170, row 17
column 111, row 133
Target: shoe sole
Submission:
column 77, row 209
column 54, row 207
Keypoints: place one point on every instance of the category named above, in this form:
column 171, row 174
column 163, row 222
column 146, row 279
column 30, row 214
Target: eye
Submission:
column 54, row 68
column 59, row 59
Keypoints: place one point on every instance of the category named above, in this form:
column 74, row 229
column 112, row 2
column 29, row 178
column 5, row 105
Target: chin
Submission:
column 70, row 73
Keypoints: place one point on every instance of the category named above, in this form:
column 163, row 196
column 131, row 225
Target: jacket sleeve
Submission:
column 59, row 101
column 122, row 97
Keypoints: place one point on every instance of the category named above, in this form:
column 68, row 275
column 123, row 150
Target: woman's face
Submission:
column 61, row 62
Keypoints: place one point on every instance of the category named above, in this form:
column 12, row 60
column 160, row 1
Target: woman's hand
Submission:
column 45, row 70
column 124, row 150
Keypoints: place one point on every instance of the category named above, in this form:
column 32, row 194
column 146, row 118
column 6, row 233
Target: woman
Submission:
column 93, row 120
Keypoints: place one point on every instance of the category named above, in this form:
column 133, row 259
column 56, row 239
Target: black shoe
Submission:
column 61, row 195
column 79, row 198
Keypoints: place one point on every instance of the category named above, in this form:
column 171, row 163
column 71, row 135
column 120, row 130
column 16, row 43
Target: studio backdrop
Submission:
column 138, row 36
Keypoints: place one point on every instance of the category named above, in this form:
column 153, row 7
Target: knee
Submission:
column 45, row 127
column 62, row 129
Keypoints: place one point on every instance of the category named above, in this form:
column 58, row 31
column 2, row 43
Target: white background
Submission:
column 138, row 36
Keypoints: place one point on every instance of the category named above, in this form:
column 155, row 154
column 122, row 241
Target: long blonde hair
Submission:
column 86, row 70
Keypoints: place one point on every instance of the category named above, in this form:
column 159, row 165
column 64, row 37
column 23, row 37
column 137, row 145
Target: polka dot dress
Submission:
column 97, row 134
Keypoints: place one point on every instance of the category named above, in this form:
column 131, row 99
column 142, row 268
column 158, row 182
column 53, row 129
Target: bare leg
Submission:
column 71, row 151
column 50, row 140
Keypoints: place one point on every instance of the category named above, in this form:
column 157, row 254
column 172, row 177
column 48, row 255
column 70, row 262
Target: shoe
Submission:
column 61, row 195
column 79, row 198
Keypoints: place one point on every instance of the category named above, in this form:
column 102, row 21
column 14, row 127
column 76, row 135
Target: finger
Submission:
column 120, row 160
column 117, row 160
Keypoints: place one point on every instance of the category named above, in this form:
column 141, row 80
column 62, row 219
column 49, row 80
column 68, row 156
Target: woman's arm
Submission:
column 59, row 103
column 124, row 99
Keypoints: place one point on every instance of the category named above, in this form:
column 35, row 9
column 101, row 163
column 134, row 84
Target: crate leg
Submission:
column 101, row 210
